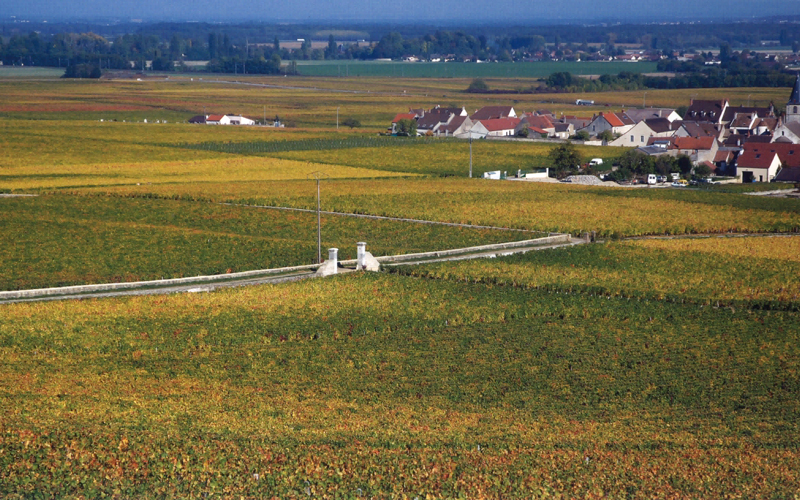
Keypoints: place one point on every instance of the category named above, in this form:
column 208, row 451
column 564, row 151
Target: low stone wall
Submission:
column 104, row 287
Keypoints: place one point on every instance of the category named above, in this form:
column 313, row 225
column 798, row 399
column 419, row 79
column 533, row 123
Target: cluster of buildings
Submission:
column 222, row 120
column 756, row 144
column 229, row 120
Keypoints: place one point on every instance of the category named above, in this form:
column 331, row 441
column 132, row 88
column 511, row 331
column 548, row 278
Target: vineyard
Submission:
column 754, row 271
column 636, row 368
column 534, row 206
column 58, row 240
column 419, row 387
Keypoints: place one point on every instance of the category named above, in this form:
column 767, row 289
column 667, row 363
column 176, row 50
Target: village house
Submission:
column 787, row 132
column 459, row 126
column 617, row 123
column 638, row 115
column 757, row 158
column 495, row 127
column 699, row 129
column 493, row 112
column 222, row 120
column 706, row 111
column 699, row 149
column 402, row 116
column 755, row 166
column 535, row 123
column 640, row 134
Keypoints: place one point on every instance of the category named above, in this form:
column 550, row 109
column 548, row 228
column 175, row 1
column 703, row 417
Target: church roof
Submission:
column 795, row 98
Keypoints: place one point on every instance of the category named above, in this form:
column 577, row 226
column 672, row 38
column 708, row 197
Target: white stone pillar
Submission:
column 333, row 256
column 361, row 250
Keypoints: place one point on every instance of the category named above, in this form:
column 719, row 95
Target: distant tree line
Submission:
column 248, row 48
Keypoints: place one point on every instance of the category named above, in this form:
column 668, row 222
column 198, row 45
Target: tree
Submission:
column 351, row 122
column 407, row 127
column 637, row 162
column 606, row 135
column 702, row 170
column 665, row 164
column 523, row 132
column 581, row 135
column 332, row 49
column 565, row 159
column 685, row 165
column 276, row 44
column 477, row 86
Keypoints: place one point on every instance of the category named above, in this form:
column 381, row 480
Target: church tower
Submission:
column 793, row 106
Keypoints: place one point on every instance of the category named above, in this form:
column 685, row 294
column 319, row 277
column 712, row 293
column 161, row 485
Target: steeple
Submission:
column 795, row 97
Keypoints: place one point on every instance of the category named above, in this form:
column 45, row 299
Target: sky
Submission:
column 440, row 11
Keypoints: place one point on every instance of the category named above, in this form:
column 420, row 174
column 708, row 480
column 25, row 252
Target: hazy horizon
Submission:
column 371, row 11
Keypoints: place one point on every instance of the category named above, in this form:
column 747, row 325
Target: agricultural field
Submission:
column 612, row 212
column 61, row 240
column 388, row 69
column 408, row 387
column 716, row 270
column 629, row 368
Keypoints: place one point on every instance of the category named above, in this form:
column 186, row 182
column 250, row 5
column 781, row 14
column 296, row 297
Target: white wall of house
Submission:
column 636, row 137
column 786, row 132
column 761, row 174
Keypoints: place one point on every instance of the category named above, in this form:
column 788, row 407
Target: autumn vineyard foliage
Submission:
column 631, row 368
column 419, row 387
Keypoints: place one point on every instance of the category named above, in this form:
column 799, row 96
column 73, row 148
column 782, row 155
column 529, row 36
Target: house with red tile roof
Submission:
column 755, row 166
column 639, row 136
column 789, row 154
column 402, row 116
column 617, row 123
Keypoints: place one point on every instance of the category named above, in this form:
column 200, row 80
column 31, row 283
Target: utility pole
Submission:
column 470, row 155
column 337, row 118
column 318, row 176
column 644, row 100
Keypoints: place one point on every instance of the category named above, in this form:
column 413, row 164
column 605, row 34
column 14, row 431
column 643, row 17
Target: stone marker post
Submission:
column 361, row 250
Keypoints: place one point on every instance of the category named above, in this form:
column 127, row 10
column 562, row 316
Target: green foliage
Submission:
column 477, row 86
column 68, row 240
column 702, row 170
column 637, row 162
column 285, row 391
column 582, row 135
column 407, row 128
column 322, row 144
column 82, row 71
column 565, row 159
column 606, row 136
column 351, row 122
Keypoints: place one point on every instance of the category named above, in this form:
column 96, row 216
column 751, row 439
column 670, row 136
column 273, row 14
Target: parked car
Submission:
column 661, row 178
column 678, row 184
column 651, row 179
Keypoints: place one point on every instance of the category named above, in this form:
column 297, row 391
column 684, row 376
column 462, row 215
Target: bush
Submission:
column 477, row 86
column 351, row 122
column 82, row 71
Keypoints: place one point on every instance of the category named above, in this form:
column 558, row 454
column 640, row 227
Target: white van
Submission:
column 595, row 162
column 652, row 179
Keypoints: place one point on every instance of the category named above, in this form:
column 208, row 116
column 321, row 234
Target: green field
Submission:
column 387, row 69
column 632, row 368
column 29, row 72
column 63, row 240
column 419, row 387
